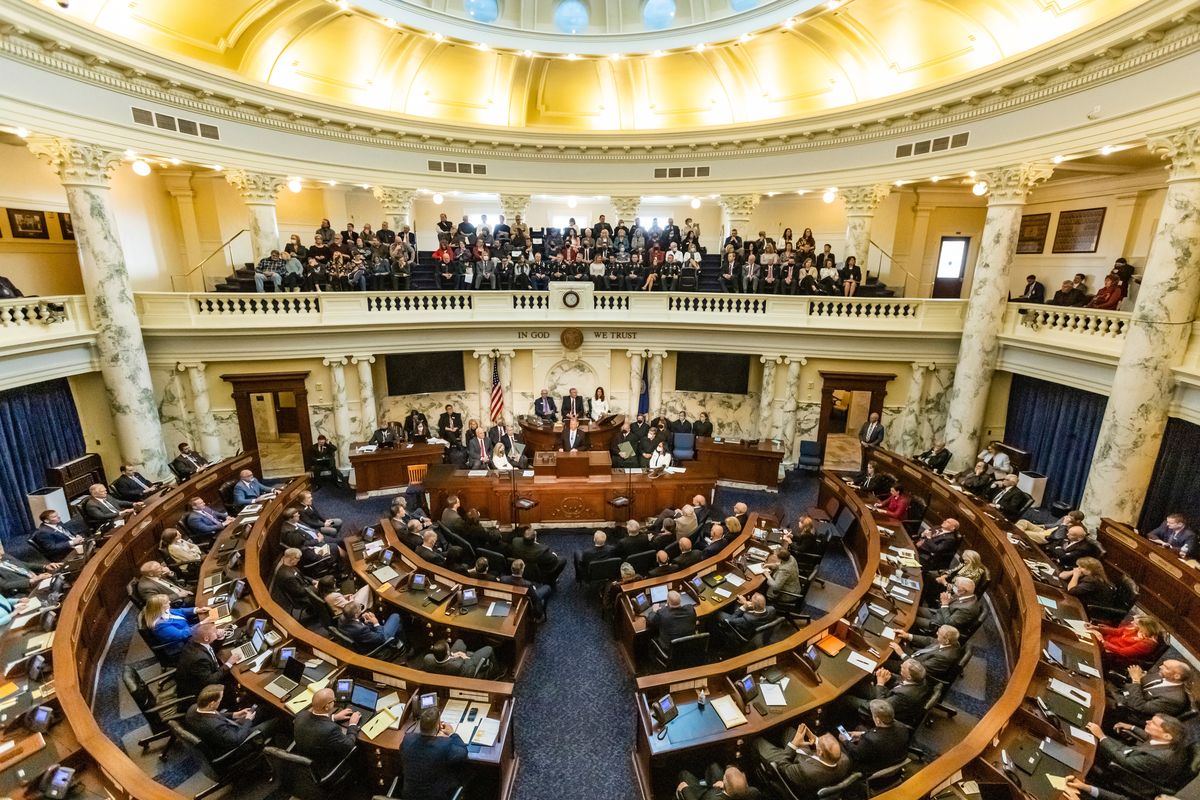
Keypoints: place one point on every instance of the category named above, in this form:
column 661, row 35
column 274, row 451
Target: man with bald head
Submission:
column 742, row 512
column 718, row 784
column 1077, row 545
column 936, row 547
column 671, row 621
column 324, row 735
column 1009, row 499
column 958, row 607
column 1160, row 691
column 716, row 541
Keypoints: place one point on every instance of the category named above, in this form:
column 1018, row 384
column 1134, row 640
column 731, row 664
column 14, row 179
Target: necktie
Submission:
column 140, row 482
column 109, row 506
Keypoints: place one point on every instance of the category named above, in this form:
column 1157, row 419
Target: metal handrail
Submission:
column 224, row 244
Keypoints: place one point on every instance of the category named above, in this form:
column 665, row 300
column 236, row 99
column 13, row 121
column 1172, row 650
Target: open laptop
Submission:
column 253, row 647
column 216, row 579
column 293, row 673
column 364, row 699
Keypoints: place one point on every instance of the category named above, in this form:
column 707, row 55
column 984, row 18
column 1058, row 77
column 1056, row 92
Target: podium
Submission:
column 584, row 464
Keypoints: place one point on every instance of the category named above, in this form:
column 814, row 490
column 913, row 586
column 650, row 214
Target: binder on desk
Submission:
column 728, row 711
column 499, row 608
column 831, row 645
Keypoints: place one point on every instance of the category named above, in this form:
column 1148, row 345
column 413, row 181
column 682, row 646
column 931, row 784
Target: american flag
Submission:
column 497, row 392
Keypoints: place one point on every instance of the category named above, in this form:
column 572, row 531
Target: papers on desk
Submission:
column 1071, row 692
column 723, row 593
column 1087, row 669
column 903, row 552
column 901, row 594
column 1057, row 782
column 772, row 694
column 862, row 662
column 391, row 699
column 452, row 714
column 477, row 473
column 675, row 470
column 756, row 569
column 1081, row 734
column 385, row 573
column 371, row 548
column 1048, row 602
column 43, row 641
column 253, row 508
column 888, row 632
column 367, row 448
column 379, row 723
column 731, row 716
column 300, row 701
column 257, row 664
column 734, row 580
column 476, row 713
column 486, row 733
column 1080, row 627
column 527, row 473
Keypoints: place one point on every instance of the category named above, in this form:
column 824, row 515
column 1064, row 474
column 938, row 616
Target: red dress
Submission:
column 896, row 506
column 1124, row 642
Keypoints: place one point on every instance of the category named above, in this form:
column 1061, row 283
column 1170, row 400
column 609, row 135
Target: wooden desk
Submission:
column 756, row 463
column 387, row 468
column 549, row 464
column 546, row 436
column 566, row 499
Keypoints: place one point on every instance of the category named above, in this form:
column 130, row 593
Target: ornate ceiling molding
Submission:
column 1094, row 59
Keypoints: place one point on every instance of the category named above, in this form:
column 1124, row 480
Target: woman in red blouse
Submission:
column 1130, row 643
column 896, row 503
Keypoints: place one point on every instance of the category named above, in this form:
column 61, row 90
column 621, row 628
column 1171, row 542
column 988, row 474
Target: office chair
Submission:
column 601, row 571
column 809, row 459
column 1123, row 600
column 458, row 793
column 166, row 653
column 685, row 651
column 834, row 792
column 497, row 563
column 948, row 679
column 642, row 562
column 454, row 539
column 294, row 773
column 685, row 447
column 223, row 769
column 319, row 568
column 336, row 634
column 157, row 708
column 885, row 779
column 826, row 513
column 759, row 637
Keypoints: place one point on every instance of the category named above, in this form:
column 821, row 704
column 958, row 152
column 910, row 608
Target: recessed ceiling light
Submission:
column 832, row 4
column 130, row 154
column 935, row 178
column 21, row 132
column 572, row 202
column 217, row 167
column 899, row 183
column 294, row 185
column 745, row 37
column 391, row 23
column 657, row 53
column 572, row 57
column 700, row 47
column 771, row 194
column 527, row 53
column 332, row 183
column 695, row 202
column 802, row 192
column 344, row 5
column 829, row 195
column 140, row 167
column 365, row 185
column 1107, row 149
column 789, row 22
column 483, row 46
column 438, row 199
column 971, row 174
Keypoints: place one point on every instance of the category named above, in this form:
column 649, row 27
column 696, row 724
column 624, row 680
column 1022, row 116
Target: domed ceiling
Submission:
column 628, row 65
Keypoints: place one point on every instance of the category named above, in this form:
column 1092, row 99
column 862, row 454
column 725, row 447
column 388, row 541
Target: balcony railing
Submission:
column 29, row 321
column 1087, row 329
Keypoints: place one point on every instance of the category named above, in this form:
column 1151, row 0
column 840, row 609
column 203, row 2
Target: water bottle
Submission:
column 702, row 698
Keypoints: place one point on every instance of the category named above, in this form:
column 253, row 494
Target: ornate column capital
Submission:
column 256, row 188
column 514, row 205
column 183, row 366
column 918, row 367
column 395, row 200
column 334, row 361
column 740, row 206
column 505, row 353
column 626, row 206
column 1010, row 185
column 801, row 360
column 862, row 201
column 1182, row 148
column 770, row 359
column 77, row 163
column 482, row 354
column 362, row 359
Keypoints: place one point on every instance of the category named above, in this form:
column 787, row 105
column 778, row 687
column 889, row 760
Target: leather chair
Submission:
column 642, row 562
column 497, row 563
column 600, row 572
column 224, row 769
column 1123, row 600
column 759, row 637
column 158, row 708
column 336, row 634
column 685, row 447
column 685, row 651
column 885, row 779
column 783, row 789
column 809, row 459
column 294, row 773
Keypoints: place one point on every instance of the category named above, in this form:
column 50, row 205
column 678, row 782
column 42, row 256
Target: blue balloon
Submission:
column 658, row 14
column 571, row 16
column 482, row 10
column 742, row 5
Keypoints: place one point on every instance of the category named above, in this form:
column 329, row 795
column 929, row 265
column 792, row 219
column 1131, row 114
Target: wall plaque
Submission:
column 1032, row 238
column 1078, row 231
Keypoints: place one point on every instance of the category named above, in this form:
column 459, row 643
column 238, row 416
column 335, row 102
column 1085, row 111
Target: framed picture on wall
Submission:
column 27, row 224
column 1032, row 237
column 64, row 224
column 1078, row 231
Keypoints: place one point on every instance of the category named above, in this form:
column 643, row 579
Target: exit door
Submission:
column 286, row 418
column 951, row 266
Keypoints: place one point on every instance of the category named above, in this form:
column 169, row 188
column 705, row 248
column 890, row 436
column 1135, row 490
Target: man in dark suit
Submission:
column 687, row 556
column 718, row 784
column 154, row 577
column 681, row 425
column 364, row 629
column 1068, row 295
column 53, row 539
column 432, row 758
column 288, row 584
column 936, row 457
column 450, row 426
column 807, row 763
column 872, row 481
column 320, row 734
column 133, row 485
column 907, row 695
column 445, row 658
column 19, row 578
column 574, row 406
column 1034, row 291
column 199, row 665
column 939, row 655
column 639, row 428
column 717, row 541
column 1175, row 534
column 573, row 438
column 671, row 621
column 324, row 461
column 936, row 547
column 410, row 423
column 102, row 511
column 662, row 565
column 882, row 745
column 599, row 550
column 636, row 540
column 619, row 442
column 428, row 550
column 1161, row 691
column 202, row 520
column 221, row 731
column 958, row 607
column 478, row 452
column 543, row 563
column 451, row 516
column 544, row 408
column 871, row 431
column 1077, row 545
column 1009, row 499
column 309, row 541
column 388, row 435
column 1162, row 758
column 330, row 527
column 751, row 613
column 188, row 462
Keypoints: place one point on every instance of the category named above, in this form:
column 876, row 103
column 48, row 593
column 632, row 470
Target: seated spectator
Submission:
column 310, row 515
column 324, row 735
column 200, row 664
column 970, row 565
column 482, row 570
column 473, row 531
column 538, row 594
column 178, row 548
column 269, row 268
column 671, row 621
column 662, row 565
column 1090, row 584
column 364, row 629
column 1068, row 295
column 1054, row 533
column 996, row 459
column 203, row 520
column 336, row 599
column 717, row 540
column 153, row 579
column 1109, row 296
column 729, row 784
column 1034, row 291
column 883, row 744
column 939, row 654
column 445, row 658
column 544, row 564
column 18, row 577
column 103, row 512
column 896, row 503
column 870, row 480
column 977, row 479
column 1130, row 643
column 958, row 606
column 1163, row 757
column 133, row 485
column 1164, row 690
column 687, row 556
column 599, row 550
column 1009, row 498
column 783, row 575
column 936, row 457
column 1175, row 534
column 188, row 462
column 807, row 763
column 250, row 489
column 53, row 539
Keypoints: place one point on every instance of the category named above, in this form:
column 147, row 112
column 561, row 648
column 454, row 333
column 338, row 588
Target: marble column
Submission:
column 791, row 403
column 861, row 202
column 84, row 171
column 627, row 209
column 656, row 387
column 510, row 409
column 258, row 191
column 1143, row 386
column 397, row 205
column 513, row 206
column 635, row 381
column 980, row 345
column 178, row 184
column 905, row 434
column 737, row 211
column 485, row 386
column 341, row 409
column 368, row 414
column 766, row 398
column 208, row 440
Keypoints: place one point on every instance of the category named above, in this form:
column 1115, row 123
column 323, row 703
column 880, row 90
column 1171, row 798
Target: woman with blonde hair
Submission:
column 500, row 458
column 168, row 627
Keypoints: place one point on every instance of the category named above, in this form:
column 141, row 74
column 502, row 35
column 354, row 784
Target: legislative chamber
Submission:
column 623, row 400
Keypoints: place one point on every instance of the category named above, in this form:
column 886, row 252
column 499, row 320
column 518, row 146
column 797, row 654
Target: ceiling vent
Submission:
column 166, row 122
column 938, row 145
column 680, row 172
column 458, row 167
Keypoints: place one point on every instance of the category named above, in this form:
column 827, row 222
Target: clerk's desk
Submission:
column 493, row 767
column 425, row 622
column 547, row 436
column 567, row 499
column 739, row 461
column 387, row 467
column 698, row 735
column 1013, row 596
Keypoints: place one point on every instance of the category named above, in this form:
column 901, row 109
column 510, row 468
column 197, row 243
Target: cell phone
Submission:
column 842, row 732
column 472, row 714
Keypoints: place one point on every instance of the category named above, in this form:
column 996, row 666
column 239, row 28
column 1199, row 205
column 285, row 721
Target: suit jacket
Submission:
column 1160, row 764
column 805, row 774
column 961, row 613
column 878, row 748
column 323, row 740
column 937, row 552
column 431, row 765
column 1034, row 293
column 451, row 519
column 384, row 435
column 445, row 421
column 245, row 492
column 410, row 423
column 219, row 732
column 631, row 545
column 1151, row 696
column 669, row 623
column 1068, row 553
column 206, row 521
column 907, row 699
column 938, row 660
column 54, row 543
column 574, row 405
column 300, row 536
column 324, row 453
column 364, row 635
column 478, row 453
column 1176, row 540
column 97, row 512
column 312, row 517
column 292, row 584
column 685, row 560
column 681, row 426
column 594, row 553
column 871, row 433
column 935, row 461
column 746, row 620
column 716, row 546
column 187, row 465
column 197, row 668
column 545, row 408
column 134, row 485
column 533, row 553
column 15, row 576
column 1011, row 501
column 784, row 578
column 581, row 440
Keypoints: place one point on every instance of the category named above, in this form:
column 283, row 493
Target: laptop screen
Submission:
column 293, row 668
column 1055, row 652
column 256, row 639
column 364, row 697
column 863, row 612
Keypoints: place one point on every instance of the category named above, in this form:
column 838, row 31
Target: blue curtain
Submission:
column 1175, row 482
column 1057, row 426
column 39, row 427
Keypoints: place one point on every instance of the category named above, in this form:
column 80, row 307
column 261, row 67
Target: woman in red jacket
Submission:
column 1131, row 643
column 896, row 503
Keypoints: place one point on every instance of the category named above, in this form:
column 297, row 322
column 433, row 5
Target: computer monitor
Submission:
column 293, row 668
column 658, row 594
column 470, row 596
column 343, row 689
column 664, row 710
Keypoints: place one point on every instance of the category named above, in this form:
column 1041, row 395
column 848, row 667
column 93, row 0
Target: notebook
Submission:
column 728, row 711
